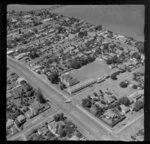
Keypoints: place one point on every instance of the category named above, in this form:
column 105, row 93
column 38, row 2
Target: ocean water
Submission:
column 127, row 20
column 18, row 7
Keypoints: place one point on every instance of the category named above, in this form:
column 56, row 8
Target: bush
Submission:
column 123, row 84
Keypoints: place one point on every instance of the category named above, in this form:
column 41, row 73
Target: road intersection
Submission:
column 79, row 117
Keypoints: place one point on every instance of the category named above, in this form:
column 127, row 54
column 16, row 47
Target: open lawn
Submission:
column 115, row 84
column 92, row 70
column 131, row 130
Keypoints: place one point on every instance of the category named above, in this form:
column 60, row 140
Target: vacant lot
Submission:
column 92, row 70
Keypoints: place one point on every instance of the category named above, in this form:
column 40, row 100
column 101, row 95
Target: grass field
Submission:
column 131, row 129
column 115, row 84
column 93, row 70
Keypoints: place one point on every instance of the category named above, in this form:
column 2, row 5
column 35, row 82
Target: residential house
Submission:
column 52, row 126
column 21, row 119
column 68, row 80
column 100, row 104
column 108, row 99
column 9, row 123
column 42, row 130
column 20, row 79
column 28, row 114
column 109, row 114
column 27, row 16
column 74, row 138
column 14, row 130
column 34, row 107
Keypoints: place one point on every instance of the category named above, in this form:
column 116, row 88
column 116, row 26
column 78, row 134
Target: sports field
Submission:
column 91, row 71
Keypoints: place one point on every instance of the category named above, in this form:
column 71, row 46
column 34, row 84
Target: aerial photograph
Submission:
column 75, row 73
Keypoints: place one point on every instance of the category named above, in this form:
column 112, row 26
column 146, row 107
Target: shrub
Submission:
column 123, row 84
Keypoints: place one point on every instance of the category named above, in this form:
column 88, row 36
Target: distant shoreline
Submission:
column 99, row 15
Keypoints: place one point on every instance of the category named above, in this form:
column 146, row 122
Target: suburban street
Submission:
column 82, row 120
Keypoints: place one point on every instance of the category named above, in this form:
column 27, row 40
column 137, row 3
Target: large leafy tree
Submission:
column 124, row 100
column 86, row 103
column 54, row 77
column 123, row 84
column 138, row 105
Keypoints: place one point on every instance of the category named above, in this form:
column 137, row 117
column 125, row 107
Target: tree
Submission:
column 86, row 103
column 140, row 46
column 109, row 61
column 76, row 63
column 50, row 135
column 95, row 94
column 114, row 76
column 125, row 101
column 34, row 54
column 59, row 117
column 99, row 111
column 82, row 34
column 134, row 86
column 136, row 55
column 123, row 84
column 138, row 105
column 69, row 128
column 54, row 77
column 99, row 27
column 78, row 134
column 40, row 96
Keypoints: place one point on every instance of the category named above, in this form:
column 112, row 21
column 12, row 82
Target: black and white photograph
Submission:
column 75, row 72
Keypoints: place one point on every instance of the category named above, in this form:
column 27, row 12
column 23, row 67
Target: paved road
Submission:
column 80, row 118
